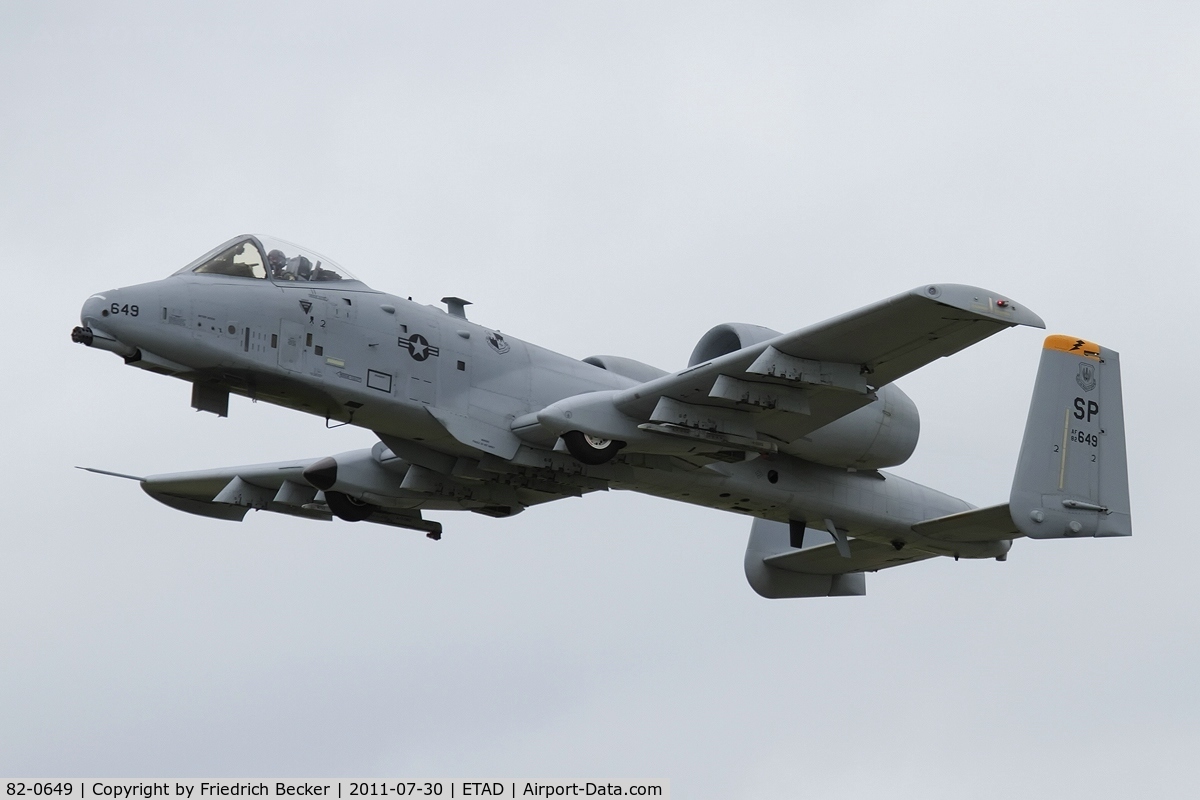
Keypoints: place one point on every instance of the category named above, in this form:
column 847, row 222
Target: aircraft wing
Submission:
column 802, row 381
column 371, row 485
column 229, row 493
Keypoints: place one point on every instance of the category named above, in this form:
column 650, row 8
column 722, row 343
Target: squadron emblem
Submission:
column 1086, row 377
column 496, row 340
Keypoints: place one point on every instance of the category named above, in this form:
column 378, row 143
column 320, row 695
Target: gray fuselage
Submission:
column 419, row 375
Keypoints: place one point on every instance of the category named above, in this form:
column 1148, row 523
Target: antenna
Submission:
column 456, row 306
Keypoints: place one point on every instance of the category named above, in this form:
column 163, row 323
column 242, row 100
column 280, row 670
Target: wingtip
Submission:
column 112, row 474
column 983, row 302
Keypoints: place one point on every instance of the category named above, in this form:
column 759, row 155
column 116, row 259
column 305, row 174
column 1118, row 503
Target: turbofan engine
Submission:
column 881, row 434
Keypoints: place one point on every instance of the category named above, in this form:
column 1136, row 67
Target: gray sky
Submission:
column 599, row 178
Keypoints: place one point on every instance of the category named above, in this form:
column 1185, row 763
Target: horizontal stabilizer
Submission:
column 777, row 569
column 990, row 524
column 978, row 533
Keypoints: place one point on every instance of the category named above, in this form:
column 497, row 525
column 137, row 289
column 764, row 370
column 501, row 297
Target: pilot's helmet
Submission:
column 277, row 260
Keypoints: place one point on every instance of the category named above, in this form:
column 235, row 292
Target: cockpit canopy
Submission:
column 263, row 258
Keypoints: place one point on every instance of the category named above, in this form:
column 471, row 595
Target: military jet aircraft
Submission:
column 790, row 429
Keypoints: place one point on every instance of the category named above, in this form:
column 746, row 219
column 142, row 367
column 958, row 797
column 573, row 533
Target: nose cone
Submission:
column 115, row 313
column 91, row 313
column 100, row 328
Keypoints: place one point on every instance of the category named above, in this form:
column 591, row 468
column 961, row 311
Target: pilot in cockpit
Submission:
column 243, row 258
column 277, row 262
column 296, row 268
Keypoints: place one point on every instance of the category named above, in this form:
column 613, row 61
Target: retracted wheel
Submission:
column 589, row 449
column 348, row 508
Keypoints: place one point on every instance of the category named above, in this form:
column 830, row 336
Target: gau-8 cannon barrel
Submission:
column 94, row 337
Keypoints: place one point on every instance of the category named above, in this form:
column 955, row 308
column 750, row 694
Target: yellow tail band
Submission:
column 1069, row 344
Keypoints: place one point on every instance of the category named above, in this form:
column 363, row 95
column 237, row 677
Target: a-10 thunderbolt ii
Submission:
column 790, row 429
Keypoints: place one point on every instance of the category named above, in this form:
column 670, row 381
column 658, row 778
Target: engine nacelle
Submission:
column 882, row 434
column 727, row 338
column 626, row 367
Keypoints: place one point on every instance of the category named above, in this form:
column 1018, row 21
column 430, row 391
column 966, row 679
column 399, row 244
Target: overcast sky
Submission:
column 599, row 178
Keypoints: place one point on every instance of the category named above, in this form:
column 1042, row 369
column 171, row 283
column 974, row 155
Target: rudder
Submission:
column 1072, row 478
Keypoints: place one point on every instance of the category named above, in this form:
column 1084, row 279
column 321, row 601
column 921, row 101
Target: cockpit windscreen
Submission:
column 241, row 260
column 263, row 257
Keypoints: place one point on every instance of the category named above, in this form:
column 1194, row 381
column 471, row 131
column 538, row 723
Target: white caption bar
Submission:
column 350, row 790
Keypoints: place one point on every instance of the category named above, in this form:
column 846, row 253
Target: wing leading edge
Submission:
column 867, row 348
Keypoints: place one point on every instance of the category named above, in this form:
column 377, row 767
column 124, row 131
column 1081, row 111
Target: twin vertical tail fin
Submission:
column 1072, row 479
